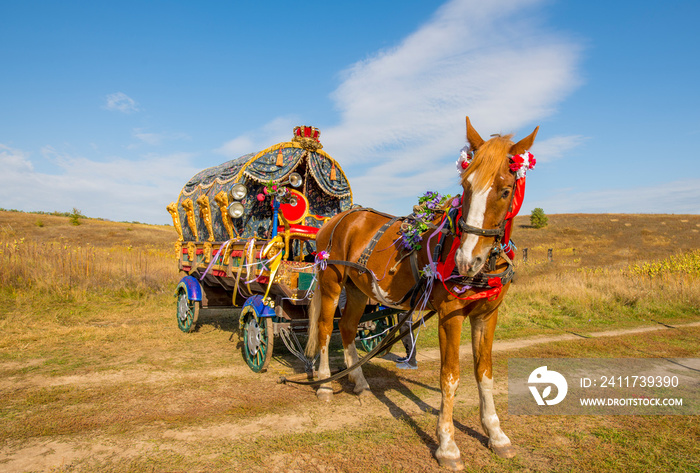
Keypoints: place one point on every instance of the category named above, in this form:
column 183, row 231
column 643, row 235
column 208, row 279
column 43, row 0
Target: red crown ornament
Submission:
column 308, row 137
column 307, row 132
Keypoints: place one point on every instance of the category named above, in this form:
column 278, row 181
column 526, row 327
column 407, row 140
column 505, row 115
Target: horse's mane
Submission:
column 487, row 162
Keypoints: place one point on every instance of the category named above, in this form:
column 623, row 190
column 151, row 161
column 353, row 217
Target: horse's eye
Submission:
column 505, row 194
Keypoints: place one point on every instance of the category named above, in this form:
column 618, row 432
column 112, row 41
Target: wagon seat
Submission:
column 291, row 215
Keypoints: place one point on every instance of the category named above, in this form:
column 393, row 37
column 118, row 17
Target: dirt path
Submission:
column 62, row 453
column 509, row 345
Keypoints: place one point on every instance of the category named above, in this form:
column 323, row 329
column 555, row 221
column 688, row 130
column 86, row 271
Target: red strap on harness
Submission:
column 518, row 196
column 490, row 294
column 445, row 268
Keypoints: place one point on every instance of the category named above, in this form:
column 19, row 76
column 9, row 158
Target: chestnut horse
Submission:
column 488, row 188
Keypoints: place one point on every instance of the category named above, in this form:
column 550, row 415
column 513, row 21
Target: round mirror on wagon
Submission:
column 295, row 179
column 238, row 191
column 236, row 210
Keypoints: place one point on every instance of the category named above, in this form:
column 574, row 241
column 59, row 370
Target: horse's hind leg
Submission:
column 354, row 308
column 482, row 342
column 329, row 287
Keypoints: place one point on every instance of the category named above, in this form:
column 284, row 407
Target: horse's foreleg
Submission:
column 449, row 332
column 354, row 308
column 482, row 341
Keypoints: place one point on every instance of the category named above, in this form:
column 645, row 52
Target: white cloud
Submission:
column 555, row 147
column 482, row 59
column 13, row 161
column 155, row 139
column 117, row 189
column 120, row 102
column 400, row 118
column 401, row 112
column 681, row 196
column 238, row 147
column 277, row 130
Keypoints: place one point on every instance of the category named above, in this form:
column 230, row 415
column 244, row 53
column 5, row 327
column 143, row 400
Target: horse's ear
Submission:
column 524, row 144
column 473, row 137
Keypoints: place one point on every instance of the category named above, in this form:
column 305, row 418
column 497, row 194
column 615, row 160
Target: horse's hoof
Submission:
column 324, row 394
column 454, row 464
column 505, row 451
column 362, row 392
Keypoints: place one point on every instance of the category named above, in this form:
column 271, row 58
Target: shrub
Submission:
column 75, row 216
column 538, row 219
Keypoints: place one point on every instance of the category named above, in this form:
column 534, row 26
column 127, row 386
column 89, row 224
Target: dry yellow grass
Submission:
column 594, row 280
column 609, row 241
column 97, row 377
column 98, row 233
column 58, row 257
column 59, row 278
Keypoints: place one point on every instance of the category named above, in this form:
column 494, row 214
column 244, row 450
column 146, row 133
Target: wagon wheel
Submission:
column 373, row 336
column 187, row 312
column 258, row 342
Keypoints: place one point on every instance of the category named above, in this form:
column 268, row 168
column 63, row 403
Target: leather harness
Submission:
column 478, row 281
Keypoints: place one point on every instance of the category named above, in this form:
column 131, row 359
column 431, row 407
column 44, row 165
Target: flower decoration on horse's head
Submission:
column 520, row 163
column 465, row 159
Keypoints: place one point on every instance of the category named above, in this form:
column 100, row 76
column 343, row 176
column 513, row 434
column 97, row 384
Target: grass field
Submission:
column 95, row 375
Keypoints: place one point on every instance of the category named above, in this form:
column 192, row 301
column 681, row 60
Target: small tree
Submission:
column 75, row 216
column 538, row 219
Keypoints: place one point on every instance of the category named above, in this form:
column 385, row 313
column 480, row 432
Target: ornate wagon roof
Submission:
column 325, row 187
column 264, row 166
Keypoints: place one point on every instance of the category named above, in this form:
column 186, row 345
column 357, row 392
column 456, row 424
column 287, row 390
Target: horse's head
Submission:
column 489, row 185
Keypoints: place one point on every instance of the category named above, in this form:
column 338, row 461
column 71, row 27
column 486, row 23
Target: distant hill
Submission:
column 608, row 240
column 580, row 240
column 99, row 233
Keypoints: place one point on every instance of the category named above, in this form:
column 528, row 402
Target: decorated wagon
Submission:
column 247, row 231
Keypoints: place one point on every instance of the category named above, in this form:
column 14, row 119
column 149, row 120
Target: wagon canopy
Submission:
column 324, row 185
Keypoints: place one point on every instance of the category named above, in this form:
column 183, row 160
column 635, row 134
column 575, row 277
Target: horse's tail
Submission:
column 314, row 315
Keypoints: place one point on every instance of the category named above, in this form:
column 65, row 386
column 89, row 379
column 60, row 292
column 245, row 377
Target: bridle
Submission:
column 498, row 232
column 484, row 232
column 481, row 279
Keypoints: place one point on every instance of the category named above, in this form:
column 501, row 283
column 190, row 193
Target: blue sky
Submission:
column 110, row 107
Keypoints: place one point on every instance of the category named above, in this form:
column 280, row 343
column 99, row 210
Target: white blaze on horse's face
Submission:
column 470, row 256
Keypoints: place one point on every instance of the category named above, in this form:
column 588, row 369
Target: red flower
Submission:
column 516, row 162
column 465, row 164
column 495, row 282
column 533, row 161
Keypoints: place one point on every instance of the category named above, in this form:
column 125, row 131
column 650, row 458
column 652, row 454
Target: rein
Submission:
column 390, row 340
